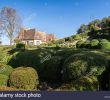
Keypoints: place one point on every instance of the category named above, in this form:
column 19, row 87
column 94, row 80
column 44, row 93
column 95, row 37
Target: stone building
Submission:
column 33, row 37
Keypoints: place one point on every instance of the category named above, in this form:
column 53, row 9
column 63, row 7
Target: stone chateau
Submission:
column 33, row 37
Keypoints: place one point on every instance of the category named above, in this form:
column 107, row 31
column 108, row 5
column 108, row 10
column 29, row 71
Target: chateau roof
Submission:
column 32, row 34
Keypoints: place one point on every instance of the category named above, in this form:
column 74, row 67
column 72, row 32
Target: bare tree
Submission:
column 10, row 22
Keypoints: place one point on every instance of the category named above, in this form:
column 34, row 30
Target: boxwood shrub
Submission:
column 79, row 44
column 82, row 64
column 51, row 71
column 104, row 44
column 20, row 46
column 85, row 83
column 94, row 44
column 24, row 78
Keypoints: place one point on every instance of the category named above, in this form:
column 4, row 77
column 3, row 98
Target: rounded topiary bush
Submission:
column 52, row 69
column 3, row 80
column 20, row 46
column 104, row 40
column 82, row 64
column 94, row 43
column 5, row 69
column 104, row 44
column 79, row 44
column 31, row 58
column 86, row 44
column 24, row 78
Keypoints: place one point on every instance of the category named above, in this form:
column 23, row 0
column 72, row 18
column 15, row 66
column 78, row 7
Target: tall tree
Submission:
column 105, row 22
column 10, row 22
column 83, row 28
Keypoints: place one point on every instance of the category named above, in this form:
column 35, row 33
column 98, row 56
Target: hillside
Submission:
column 96, row 29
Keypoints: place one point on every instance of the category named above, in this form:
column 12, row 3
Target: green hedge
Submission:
column 81, row 64
column 20, row 46
column 51, row 71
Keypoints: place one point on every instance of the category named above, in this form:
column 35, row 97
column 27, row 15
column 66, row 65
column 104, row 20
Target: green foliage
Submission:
column 105, row 22
column 7, row 48
column 52, row 45
column 85, row 83
column 77, row 37
column 24, row 78
column 94, row 44
column 3, row 56
column 79, row 44
column 86, row 44
column 70, row 39
column 60, row 41
column 104, row 40
column 20, row 46
column 82, row 64
column 83, row 28
column 3, row 80
column 82, row 44
column 97, row 28
column 104, row 44
column 30, row 58
column 5, row 69
column 51, row 71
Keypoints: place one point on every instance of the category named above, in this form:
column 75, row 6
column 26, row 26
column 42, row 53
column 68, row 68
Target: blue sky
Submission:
column 62, row 17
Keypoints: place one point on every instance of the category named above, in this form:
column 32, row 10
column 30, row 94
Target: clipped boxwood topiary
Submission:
column 5, row 69
column 104, row 40
column 104, row 44
column 94, row 44
column 52, row 69
column 20, row 46
column 85, row 83
column 86, row 44
column 3, row 80
column 31, row 58
column 82, row 64
column 24, row 78
column 79, row 44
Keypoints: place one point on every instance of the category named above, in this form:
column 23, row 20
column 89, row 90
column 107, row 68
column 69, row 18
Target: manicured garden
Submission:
column 54, row 68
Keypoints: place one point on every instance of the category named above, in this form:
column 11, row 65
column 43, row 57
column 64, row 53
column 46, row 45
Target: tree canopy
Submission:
column 10, row 22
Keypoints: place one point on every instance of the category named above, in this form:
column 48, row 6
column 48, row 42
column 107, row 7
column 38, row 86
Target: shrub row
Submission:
column 94, row 44
column 65, row 65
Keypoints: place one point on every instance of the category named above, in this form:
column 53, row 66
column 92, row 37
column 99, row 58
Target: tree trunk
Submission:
column 11, row 42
